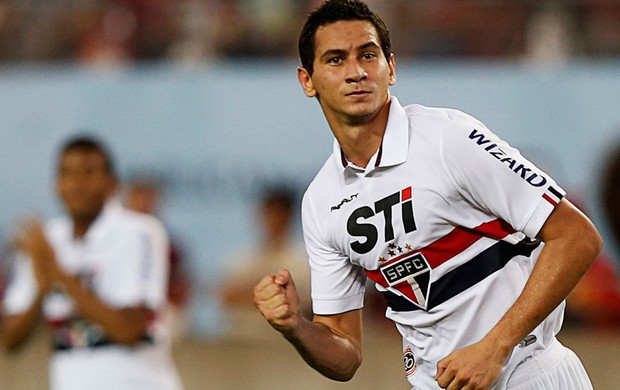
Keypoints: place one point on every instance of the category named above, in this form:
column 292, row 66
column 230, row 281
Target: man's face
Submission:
column 351, row 74
column 83, row 182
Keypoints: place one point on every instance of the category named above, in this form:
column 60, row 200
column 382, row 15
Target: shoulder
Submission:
column 452, row 129
column 126, row 220
column 439, row 116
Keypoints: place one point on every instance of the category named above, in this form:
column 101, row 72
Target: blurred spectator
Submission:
column 98, row 277
column 601, row 28
column 196, row 24
column 124, row 31
column 277, row 249
column 595, row 301
column 144, row 196
column 550, row 36
column 106, row 37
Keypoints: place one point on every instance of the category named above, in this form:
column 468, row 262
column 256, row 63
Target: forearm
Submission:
column 560, row 266
column 125, row 326
column 16, row 328
column 334, row 355
column 330, row 344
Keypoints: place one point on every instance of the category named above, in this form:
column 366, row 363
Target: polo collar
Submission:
column 98, row 228
column 394, row 147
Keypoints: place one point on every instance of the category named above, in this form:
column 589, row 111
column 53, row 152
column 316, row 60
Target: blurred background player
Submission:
column 276, row 248
column 98, row 275
column 143, row 195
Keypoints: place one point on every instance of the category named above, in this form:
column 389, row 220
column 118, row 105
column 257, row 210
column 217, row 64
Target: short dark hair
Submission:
column 281, row 195
column 89, row 143
column 333, row 11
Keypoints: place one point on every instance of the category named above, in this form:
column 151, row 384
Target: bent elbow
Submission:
column 586, row 240
column 132, row 327
column 596, row 244
column 592, row 242
column 347, row 373
column 345, row 376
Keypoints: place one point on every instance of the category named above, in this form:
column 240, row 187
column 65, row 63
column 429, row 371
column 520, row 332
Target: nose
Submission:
column 355, row 72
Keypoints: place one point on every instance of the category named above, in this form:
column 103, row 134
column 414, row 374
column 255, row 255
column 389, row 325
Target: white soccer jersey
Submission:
column 441, row 220
column 123, row 260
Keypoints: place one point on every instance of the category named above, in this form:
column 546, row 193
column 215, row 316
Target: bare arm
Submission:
column 17, row 327
column 332, row 345
column 571, row 246
column 126, row 325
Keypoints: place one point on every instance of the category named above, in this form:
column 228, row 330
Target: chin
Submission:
column 363, row 113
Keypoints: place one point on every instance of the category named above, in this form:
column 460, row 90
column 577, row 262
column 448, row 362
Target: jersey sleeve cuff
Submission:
column 337, row 306
column 545, row 207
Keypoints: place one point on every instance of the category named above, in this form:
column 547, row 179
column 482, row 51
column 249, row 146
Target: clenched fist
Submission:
column 275, row 296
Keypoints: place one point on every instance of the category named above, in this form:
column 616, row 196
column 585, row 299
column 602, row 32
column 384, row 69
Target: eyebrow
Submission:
column 339, row 52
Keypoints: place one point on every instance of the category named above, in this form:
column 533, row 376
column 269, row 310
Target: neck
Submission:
column 82, row 223
column 361, row 144
column 359, row 139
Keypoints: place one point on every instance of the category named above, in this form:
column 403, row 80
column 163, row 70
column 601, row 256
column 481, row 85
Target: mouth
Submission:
column 358, row 93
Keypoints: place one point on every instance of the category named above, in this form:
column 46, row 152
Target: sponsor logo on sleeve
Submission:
column 522, row 170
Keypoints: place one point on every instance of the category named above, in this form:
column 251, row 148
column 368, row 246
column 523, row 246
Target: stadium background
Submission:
column 202, row 95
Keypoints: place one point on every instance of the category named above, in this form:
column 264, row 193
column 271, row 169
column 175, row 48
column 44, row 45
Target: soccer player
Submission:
column 98, row 276
column 473, row 247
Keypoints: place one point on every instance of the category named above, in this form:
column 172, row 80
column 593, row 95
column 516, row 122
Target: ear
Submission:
column 305, row 79
column 392, row 65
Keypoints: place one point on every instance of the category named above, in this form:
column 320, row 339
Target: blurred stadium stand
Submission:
column 120, row 31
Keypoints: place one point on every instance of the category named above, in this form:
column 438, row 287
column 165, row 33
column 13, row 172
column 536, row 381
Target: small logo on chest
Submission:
column 345, row 200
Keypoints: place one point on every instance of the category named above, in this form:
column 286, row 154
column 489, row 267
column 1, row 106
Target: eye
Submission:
column 334, row 60
column 369, row 56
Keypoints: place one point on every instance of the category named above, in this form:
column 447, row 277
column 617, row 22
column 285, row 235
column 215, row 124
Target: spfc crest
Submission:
column 410, row 275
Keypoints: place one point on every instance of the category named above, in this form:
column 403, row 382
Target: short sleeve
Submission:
column 141, row 273
column 337, row 285
column 495, row 177
column 154, row 263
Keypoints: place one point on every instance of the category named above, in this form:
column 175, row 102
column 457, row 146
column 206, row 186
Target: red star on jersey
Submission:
column 391, row 253
column 391, row 245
